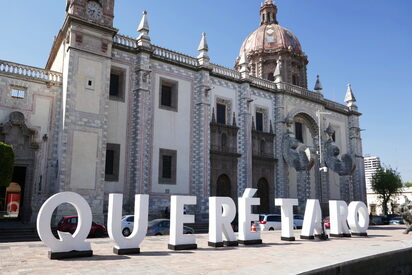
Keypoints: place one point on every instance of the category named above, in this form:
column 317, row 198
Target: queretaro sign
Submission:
column 344, row 221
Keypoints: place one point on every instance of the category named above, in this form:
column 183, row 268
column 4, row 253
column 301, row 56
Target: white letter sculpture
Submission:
column 338, row 211
column 246, row 218
column 178, row 241
column 358, row 226
column 130, row 244
column 67, row 246
column 312, row 222
column 219, row 223
column 286, row 210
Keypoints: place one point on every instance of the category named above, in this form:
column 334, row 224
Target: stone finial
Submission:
column 350, row 98
column 243, row 63
column 203, row 49
column 318, row 85
column 144, row 39
column 278, row 71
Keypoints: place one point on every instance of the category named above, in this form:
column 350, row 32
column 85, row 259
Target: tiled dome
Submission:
column 270, row 38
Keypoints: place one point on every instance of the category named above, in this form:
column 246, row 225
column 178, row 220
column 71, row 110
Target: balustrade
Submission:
column 31, row 72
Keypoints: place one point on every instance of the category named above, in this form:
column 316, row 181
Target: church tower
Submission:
column 82, row 52
column 96, row 11
column 274, row 52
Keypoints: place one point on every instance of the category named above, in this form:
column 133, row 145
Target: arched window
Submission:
column 299, row 131
column 295, row 79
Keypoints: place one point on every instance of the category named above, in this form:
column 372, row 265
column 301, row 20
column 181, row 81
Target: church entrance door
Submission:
column 263, row 194
column 223, row 188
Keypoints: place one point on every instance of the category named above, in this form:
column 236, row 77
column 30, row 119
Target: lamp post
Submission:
column 323, row 235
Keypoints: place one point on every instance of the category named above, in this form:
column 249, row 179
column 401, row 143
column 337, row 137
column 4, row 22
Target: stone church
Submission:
column 114, row 114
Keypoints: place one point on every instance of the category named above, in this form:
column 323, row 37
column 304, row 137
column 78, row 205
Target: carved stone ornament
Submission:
column 405, row 210
column 344, row 166
column 24, row 138
column 296, row 154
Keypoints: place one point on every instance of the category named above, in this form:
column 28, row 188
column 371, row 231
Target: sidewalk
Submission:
column 273, row 257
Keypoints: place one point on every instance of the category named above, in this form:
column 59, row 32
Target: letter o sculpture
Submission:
column 358, row 218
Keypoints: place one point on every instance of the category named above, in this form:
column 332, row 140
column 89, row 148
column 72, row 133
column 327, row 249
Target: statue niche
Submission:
column 296, row 154
column 344, row 166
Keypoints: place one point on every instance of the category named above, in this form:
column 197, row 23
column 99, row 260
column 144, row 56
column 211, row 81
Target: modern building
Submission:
column 114, row 114
column 372, row 164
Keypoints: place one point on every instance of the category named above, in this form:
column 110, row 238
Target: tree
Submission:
column 6, row 163
column 386, row 183
column 408, row 184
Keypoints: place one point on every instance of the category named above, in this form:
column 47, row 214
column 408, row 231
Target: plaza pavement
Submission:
column 272, row 257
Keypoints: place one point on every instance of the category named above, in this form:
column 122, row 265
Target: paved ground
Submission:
column 273, row 257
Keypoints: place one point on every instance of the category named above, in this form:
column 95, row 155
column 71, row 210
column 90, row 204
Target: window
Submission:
column 221, row 113
column 271, row 77
column 166, row 99
column 117, row 84
column 295, row 79
column 168, row 95
column 299, row 131
column 259, row 121
column 274, row 218
column 167, row 166
column 112, row 162
column 18, row 93
column 130, row 219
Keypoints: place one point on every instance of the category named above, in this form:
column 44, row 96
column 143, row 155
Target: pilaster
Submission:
column 201, row 143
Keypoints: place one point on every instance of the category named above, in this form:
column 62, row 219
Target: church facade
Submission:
column 113, row 114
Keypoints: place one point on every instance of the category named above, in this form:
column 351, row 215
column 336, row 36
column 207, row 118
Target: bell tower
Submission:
column 268, row 12
column 82, row 52
column 96, row 11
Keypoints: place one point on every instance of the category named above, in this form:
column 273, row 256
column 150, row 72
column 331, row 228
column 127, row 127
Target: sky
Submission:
column 366, row 43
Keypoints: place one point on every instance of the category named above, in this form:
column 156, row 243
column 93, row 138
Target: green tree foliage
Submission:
column 386, row 183
column 408, row 184
column 6, row 163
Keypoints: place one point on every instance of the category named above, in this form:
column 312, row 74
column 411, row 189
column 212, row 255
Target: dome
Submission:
column 270, row 38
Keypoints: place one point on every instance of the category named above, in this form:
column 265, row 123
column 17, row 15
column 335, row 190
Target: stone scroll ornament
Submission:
column 296, row 154
column 345, row 166
column 405, row 210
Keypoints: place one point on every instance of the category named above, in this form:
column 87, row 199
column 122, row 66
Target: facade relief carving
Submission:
column 344, row 166
column 16, row 133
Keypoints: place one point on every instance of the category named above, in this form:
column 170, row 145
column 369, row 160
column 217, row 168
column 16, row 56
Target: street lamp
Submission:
column 323, row 235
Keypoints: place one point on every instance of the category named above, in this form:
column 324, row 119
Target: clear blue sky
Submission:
column 367, row 43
